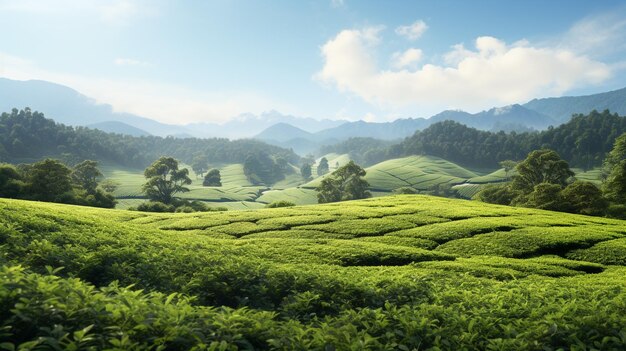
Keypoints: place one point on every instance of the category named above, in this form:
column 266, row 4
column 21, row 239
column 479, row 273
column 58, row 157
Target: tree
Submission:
column 213, row 178
column 49, row 180
column 346, row 183
column 614, row 186
column 322, row 167
column 584, row 198
column 541, row 166
column 500, row 194
column 260, row 168
column 165, row 180
column 11, row 184
column 199, row 165
column 508, row 166
column 305, row 170
column 545, row 196
column 616, row 155
column 85, row 175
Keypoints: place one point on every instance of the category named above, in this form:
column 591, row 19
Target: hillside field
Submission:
column 236, row 192
column 399, row 272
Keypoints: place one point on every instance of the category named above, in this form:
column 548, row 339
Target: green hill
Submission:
column 400, row 272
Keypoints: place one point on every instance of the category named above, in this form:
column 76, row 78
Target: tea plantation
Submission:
column 405, row 272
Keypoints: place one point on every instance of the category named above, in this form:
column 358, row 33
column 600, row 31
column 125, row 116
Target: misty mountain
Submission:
column 119, row 128
column 247, row 125
column 281, row 132
column 513, row 117
column 66, row 105
column 508, row 118
column 562, row 108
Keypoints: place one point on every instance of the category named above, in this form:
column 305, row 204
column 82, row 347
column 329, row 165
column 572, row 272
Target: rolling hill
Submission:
column 439, row 273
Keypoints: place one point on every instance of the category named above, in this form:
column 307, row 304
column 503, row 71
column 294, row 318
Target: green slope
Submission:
column 416, row 271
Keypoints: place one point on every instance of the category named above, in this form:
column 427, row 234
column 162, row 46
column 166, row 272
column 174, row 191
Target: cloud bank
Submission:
column 491, row 72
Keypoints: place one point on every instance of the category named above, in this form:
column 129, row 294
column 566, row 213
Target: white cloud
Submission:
column 597, row 35
column 413, row 31
column 167, row 103
column 406, row 59
column 491, row 73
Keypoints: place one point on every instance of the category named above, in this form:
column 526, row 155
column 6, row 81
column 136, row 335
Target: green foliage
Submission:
column 500, row 194
column 615, row 184
column 398, row 272
column 28, row 134
column 541, row 166
column 617, row 154
column 322, row 167
column 49, row 180
column 305, row 171
column 405, row 190
column 164, row 180
column 260, row 168
column 546, row 196
column 346, row 183
column 11, row 184
column 213, row 178
column 584, row 141
column 85, row 175
column 199, row 165
column 282, row 203
column 155, row 206
column 508, row 166
column 584, row 198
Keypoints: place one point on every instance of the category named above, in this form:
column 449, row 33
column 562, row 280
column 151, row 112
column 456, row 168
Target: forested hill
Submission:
column 27, row 135
column 583, row 142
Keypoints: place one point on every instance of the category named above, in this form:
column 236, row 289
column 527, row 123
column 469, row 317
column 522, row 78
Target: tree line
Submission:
column 544, row 180
column 26, row 135
column 584, row 142
column 52, row 181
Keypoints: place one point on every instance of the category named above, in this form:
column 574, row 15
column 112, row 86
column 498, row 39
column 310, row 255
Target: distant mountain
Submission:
column 247, row 125
column 562, row 108
column 119, row 128
column 512, row 117
column 66, row 105
column 281, row 132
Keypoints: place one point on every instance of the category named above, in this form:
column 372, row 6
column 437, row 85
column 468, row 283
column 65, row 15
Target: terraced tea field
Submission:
column 419, row 172
column 398, row 272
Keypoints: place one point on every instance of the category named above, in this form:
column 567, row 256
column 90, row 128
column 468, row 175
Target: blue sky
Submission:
column 190, row 61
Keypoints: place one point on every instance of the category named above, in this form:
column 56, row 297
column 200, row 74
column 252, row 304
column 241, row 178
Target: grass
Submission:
column 396, row 272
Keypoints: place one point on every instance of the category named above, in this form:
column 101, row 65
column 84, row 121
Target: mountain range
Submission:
column 304, row 135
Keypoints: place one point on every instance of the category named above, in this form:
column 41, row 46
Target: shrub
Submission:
column 155, row 206
column 281, row 203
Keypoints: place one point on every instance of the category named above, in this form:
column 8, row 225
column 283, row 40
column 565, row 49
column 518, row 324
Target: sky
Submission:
column 210, row 61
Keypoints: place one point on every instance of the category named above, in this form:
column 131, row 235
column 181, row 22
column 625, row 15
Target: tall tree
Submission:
column 322, row 167
column 49, row 179
column 346, row 183
column 165, row 180
column 541, row 166
column 11, row 184
column 614, row 186
column 86, row 174
column 199, row 165
column 508, row 166
column 213, row 178
column 305, row 170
